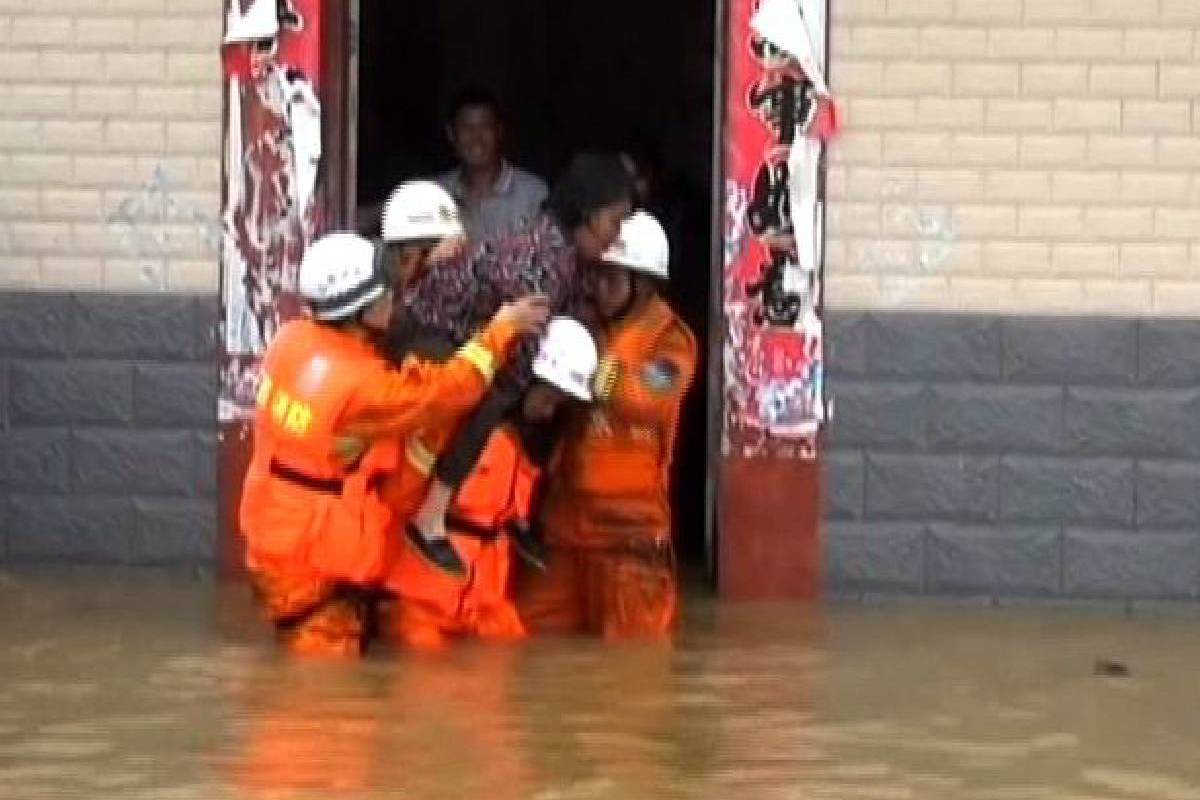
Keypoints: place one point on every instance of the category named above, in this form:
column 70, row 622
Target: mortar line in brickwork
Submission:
column 1062, row 420
column 70, row 460
column 862, row 500
column 74, row 311
column 6, row 399
column 1003, row 345
column 1137, row 467
column 998, row 475
column 1137, row 352
column 1062, row 560
column 926, row 535
column 926, row 401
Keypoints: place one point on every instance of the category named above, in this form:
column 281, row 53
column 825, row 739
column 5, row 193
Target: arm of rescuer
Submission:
column 650, row 391
column 395, row 400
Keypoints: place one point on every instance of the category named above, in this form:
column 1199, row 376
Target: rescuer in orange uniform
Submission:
column 607, row 516
column 493, row 503
column 316, row 529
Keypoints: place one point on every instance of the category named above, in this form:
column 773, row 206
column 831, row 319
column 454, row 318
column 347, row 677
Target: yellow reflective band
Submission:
column 299, row 419
column 479, row 357
column 419, row 455
column 280, row 406
column 264, row 391
column 606, row 376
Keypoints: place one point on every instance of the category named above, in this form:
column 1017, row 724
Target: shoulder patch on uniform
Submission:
column 660, row 375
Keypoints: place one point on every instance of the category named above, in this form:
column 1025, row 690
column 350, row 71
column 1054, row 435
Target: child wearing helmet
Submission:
column 607, row 512
column 314, row 525
column 491, row 506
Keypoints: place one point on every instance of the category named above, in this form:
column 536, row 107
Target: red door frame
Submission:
column 763, row 507
column 767, row 493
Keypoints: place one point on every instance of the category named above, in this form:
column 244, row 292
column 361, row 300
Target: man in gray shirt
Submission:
column 495, row 197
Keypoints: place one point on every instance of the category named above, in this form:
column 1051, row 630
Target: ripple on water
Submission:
column 1055, row 741
column 1013, row 793
column 829, row 790
column 55, row 748
column 578, row 790
column 117, row 779
column 1149, row 784
column 196, row 791
column 80, row 728
column 135, row 722
column 862, row 772
column 850, row 732
column 68, row 690
column 26, row 772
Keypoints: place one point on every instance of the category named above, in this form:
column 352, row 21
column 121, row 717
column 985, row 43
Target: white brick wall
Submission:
column 1016, row 156
column 109, row 139
column 1022, row 156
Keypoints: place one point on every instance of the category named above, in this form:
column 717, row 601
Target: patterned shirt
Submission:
column 456, row 299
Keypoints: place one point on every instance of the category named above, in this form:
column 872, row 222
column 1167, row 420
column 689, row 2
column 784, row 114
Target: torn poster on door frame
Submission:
column 270, row 155
column 779, row 113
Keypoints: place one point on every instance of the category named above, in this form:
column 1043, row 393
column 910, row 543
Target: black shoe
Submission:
column 438, row 552
column 529, row 545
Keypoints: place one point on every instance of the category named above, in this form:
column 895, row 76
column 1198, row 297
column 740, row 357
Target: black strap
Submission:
column 323, row 485
column 465, row 527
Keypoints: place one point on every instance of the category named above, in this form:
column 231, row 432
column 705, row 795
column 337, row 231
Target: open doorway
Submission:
column 569, row 76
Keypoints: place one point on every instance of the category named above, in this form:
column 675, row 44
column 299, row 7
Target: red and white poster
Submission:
column 270, row 155
column 778, row 116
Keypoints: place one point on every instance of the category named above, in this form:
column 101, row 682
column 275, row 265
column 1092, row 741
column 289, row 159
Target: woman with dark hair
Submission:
column 581, row 220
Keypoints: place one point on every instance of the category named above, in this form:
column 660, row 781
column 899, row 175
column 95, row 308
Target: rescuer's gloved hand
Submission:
column 349, row 448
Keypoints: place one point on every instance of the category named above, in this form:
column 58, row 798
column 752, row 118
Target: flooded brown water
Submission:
column 148, row 685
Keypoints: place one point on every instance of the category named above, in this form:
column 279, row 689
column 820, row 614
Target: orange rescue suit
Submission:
column 313, row 522
column 431, row 606
column 607, row 513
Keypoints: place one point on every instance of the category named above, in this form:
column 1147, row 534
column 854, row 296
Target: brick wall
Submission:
column 1020, row 156
column 1009, row 456
column 109, row 140
column 107, row 430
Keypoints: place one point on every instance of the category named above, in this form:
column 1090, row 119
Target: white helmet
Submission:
column 340, row 275
column 567, row 358
column 641, row 246
column 420, row 210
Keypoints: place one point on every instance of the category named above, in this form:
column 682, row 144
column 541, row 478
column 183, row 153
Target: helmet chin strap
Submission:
column 635, row 294
column 380, row 265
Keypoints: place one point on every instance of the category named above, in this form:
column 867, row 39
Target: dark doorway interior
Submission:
column 570, row 76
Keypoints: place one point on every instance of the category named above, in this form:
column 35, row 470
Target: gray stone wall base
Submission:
column 107, row 428
column 1006, row 458
column 970, row 457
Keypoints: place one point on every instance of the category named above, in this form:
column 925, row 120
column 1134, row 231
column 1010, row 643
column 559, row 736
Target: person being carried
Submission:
column 607, row 512
column 495, row 197
column 315, row 526
column 582, row 219
column 430, row 606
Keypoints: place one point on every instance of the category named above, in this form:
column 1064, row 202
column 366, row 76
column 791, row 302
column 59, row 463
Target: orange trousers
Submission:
column 432, row 608
column 312, row 616
column 423, row 626
column 615, row 594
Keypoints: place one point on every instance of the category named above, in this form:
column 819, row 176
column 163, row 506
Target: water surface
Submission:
column 118, row 684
